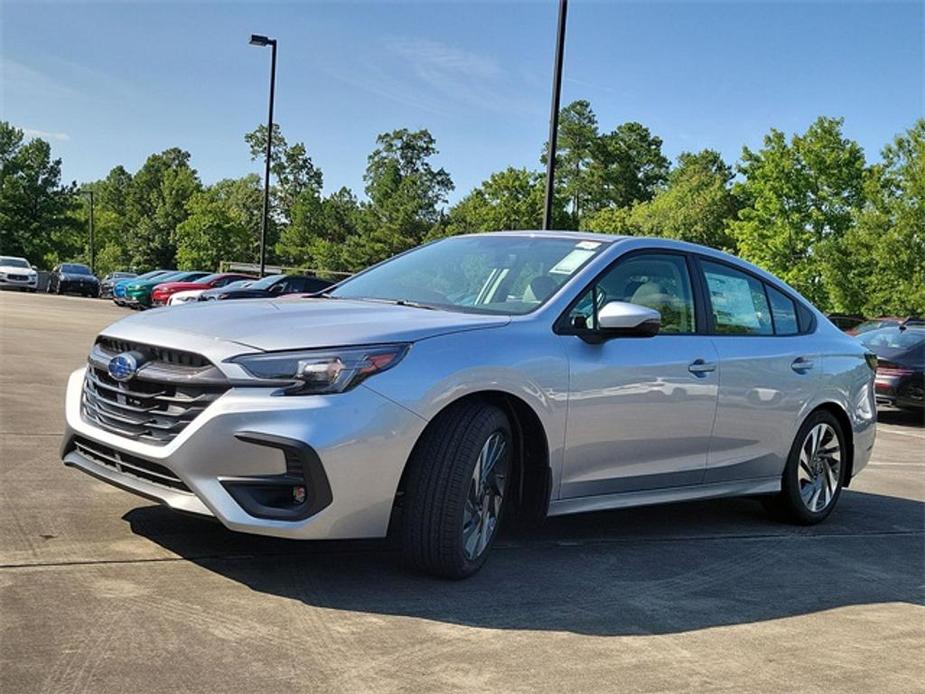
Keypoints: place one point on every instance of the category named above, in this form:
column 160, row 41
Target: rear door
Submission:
column 767, row 373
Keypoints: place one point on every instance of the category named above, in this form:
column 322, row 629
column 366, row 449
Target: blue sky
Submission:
column 111, row 83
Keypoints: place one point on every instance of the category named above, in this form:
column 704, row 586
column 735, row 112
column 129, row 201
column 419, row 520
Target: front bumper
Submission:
column 361, row 441
column 10, row 283
column 137, row 299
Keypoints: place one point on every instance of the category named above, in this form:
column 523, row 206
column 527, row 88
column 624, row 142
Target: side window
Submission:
column 296, row 284
column 784, row 312
column 658, row 281
column 740, row 306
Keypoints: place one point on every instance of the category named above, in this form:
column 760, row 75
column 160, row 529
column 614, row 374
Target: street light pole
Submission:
column 554, row 116
column 92, row 241
column 258, row 40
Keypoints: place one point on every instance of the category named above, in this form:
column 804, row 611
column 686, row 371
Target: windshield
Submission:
column 266, row 282
column 123, row 275
column 75, row 269
column 209, row 278
column 240, row 284
column 13, row 262
column 478, row 273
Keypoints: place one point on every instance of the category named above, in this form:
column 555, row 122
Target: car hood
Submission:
column 294, row 323
column 179, row 286
column 12, row 269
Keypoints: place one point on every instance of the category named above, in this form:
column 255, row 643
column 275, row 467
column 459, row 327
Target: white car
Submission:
column 190, row 295
column 17, row 273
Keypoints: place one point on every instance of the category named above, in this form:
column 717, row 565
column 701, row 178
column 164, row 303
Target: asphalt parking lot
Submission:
column 101, row 591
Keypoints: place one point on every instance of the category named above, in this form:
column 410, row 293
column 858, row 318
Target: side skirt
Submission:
column 648, row 497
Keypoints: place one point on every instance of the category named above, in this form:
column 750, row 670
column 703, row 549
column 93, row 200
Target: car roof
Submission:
column 553, row 233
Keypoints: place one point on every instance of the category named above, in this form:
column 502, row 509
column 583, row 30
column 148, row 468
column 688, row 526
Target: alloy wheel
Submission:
column 819, row 470
column 485, row 495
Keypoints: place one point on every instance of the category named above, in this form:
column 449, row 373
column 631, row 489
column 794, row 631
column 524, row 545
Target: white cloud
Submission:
column 45, row 135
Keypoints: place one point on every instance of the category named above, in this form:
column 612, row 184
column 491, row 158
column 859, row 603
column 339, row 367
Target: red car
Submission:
column 163, row 292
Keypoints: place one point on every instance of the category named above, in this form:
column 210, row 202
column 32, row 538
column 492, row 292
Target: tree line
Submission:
column 848, row 234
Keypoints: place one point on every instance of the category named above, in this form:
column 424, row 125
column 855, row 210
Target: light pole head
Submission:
column 259, row 40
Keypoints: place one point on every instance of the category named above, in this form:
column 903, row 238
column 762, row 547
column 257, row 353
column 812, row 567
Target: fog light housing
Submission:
column 302, row 491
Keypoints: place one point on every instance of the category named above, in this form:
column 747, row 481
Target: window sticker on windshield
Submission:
column 588, row 245
column 571, row 262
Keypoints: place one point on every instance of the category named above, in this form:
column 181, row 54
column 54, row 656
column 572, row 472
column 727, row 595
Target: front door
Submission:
column 641, row 410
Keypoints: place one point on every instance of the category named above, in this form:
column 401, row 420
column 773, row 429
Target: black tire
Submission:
column 788, row 505
column 440, row 471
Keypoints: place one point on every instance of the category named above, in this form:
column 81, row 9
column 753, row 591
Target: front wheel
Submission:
column 456, row 490
column 815, row 472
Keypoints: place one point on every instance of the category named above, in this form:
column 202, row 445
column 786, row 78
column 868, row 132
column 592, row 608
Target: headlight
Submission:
column 316, row 371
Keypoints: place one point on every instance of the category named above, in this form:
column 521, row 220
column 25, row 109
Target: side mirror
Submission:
column 276, row 289
column 623, row 319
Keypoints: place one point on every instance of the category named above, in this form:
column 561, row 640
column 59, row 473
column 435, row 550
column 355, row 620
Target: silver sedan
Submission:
column 476, row 378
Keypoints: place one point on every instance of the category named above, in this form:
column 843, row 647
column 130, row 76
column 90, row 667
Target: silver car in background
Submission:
column 477, row 377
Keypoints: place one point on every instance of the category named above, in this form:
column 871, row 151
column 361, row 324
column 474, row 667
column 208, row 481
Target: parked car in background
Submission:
column 118, row 288
column 475, row 378
column 17, row 273
column 211, row 294
column 846, row 321
column 900, row 354
column 138, row 292
column 73, row 278
column 270, row 286
column 885, row 322
column 109, row 280
column 164, row 291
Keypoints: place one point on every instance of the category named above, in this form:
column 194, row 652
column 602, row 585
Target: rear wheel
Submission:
column 815, row 472
column 455, row 491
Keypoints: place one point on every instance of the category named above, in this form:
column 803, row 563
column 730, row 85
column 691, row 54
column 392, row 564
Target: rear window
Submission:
column 784, row 311
column 739, row 304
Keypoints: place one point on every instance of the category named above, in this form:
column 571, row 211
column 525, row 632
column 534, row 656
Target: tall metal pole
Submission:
column 92, row 240
column 554, row 117
column 266, row 175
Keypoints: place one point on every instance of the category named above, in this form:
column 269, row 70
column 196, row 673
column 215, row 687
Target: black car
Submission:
column 109, row 280
column 73, row 278
column 900, row 351
column 273, row 285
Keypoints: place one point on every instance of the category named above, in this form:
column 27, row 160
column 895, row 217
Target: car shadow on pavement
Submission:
column 909, row 418
column 653, row 570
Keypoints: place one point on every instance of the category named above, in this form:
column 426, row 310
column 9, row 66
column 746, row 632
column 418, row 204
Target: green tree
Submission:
column 577, row 142
column 320, row 229
column 797, row 195
column 627, row 167
column 509, row 199
column 697, row 205
column 35, row 207
column 406, row 196
column 290, row 166
column 223, row 224
column 878, row 266
column 157, row 205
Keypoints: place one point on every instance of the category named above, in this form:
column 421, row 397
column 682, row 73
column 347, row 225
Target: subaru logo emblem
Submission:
column 123, row 366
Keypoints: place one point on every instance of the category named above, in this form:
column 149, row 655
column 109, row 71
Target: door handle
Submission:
column 700, row 367
column 801, row 365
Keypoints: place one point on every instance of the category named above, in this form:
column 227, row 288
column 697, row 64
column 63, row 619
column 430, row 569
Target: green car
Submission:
column 138, row 294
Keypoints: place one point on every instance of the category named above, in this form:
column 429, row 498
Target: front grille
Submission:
column 170, row 390
column 129, row 464
column 18, row 278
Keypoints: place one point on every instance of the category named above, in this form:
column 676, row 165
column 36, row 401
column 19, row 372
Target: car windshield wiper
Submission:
column 395, row 302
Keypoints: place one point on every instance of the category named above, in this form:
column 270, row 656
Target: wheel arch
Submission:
column 532, row 469
column 837, row 411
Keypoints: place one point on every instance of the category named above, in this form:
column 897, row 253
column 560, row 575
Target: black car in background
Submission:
column 109, row 280
column 273, row 285
column 73, row 278
column 900, row 379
